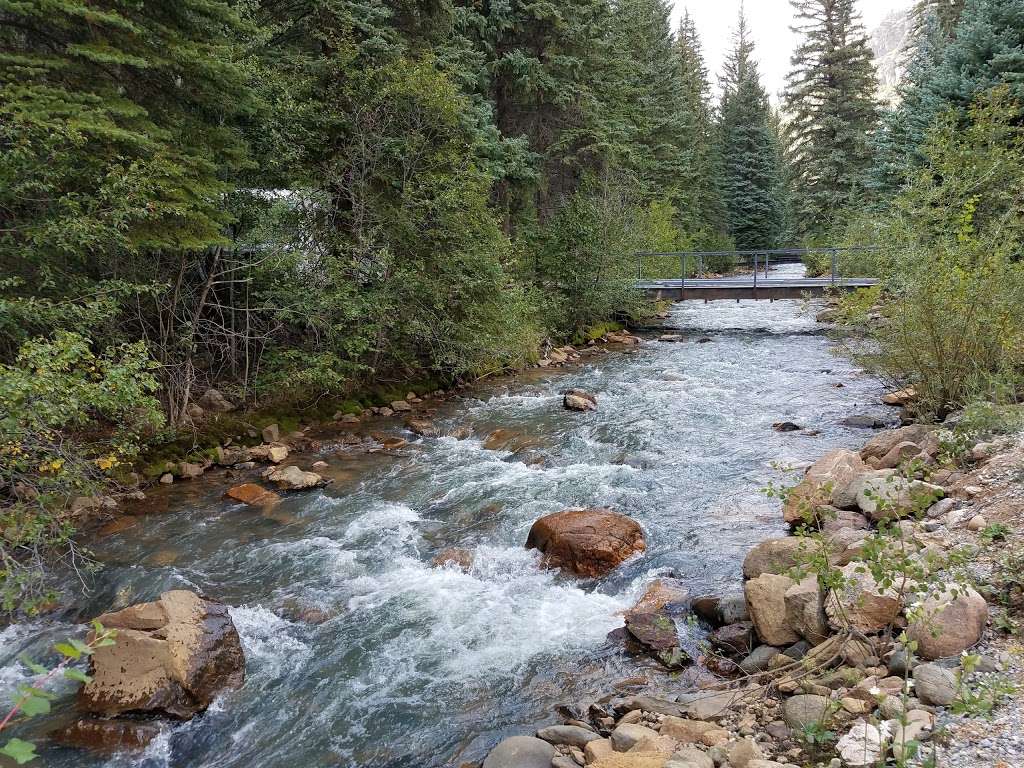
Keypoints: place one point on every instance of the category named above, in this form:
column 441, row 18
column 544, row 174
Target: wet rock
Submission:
column 721, row 610
column 721, row 667
column 252, row 494
column 422, row 427
column 827, row 482
column 460, row 558
column 214, row 401
column 767, row 605
column 291, row 478
column 108, row 736
column 805, row 610
column 500, row 439
column 400, row 406
column 951, row 622
column 273, row 453
column 520, row 752
column 271, row 433
column 172, row 656
column 657, row 634
column 735, row 638
column 865, row 421
column 786, row 426
column 579, row 400
column 662, row 595
column 166, row 478
column 573, row 735
column 587, row 542
column 867, row 606
column 804, row 710
column 773, row 556
column 934, row 684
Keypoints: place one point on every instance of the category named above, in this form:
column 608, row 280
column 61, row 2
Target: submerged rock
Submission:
column 291, row 478
column 172, row 656
column 108, row 736
column 587, row 542
column 460, row 558
column 579, row 400
column 252, row 494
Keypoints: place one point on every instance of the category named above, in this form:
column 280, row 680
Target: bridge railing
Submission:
column 696, row 265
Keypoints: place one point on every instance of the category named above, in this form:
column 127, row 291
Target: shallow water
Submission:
column 419, row 666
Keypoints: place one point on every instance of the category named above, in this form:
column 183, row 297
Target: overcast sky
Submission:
column 769, row 21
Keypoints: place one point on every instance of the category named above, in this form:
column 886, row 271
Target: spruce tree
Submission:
column 831, row 104
column 749, row 173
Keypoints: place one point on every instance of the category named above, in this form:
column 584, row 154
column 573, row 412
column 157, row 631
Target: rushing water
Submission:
column 421, row 666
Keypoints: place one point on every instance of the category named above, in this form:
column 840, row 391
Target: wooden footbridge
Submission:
column 748, row 275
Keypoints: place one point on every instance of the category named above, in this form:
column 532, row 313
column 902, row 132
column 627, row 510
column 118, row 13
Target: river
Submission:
column 423, row 667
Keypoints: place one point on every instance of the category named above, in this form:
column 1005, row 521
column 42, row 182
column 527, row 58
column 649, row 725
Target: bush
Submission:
column 68, row 419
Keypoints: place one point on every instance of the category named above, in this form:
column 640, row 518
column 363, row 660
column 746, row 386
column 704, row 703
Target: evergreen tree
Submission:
column 831, row 103
column 749, row 173
column 943, row 14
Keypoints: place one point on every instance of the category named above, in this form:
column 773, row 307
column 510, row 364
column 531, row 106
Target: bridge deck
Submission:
column 745, row 287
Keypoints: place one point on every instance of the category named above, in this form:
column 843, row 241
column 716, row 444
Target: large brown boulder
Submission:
column 950, row 622
column 827, row 482
column 884, row 442
column 766, row 601
column 805, row 610
column 171, row 656
column 862, row 603
column 587, row 542
column 775, row 556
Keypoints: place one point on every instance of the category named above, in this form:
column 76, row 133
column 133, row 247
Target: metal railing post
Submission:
column 639, row 267
column 834, row 260
column 755, row 271
column 766, row 257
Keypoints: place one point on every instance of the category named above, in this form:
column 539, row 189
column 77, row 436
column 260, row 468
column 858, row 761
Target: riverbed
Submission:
column 360, row 653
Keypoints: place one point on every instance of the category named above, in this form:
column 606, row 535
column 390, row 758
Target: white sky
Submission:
column 769, row 21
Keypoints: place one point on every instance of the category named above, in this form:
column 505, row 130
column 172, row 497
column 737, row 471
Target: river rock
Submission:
column 767, row 605
column 657, row 633
column 774, row 556
column 883, row 494
column 743, row 751
column 271, row 433
column 213, row 400
column 597, row 749
column 805, row 610
column 759, row 659
column 834, row 520
column 786, row 426
column 291, row 478
column 274, row 453
column 189, row 471
column 721, row 610
column 573, row 735
column 951, row 622
column 579, row 400
column 884, row 442
column 252, row 494
column 735, row 638
column 400, row 406
column 107, row 736
column 861, row 746
column 804, row 710
column 662, row 595
column 683, row 730
column 690, row 757
column 422, row 427
column 500, row 439
column 520, row 752
column 934, row 684
column 862, row 603
column 865, row 421
column 626, row 735
column 460, row 558
column 172, row 656
column 587, row 542
column 828, row 481
column 900, row 397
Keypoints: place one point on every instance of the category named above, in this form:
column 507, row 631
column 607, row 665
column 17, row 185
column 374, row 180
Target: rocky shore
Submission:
column 870, row 636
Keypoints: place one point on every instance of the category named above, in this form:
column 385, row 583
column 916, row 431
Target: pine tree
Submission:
column 831, row 103
column 943, row 14
column 749, row 156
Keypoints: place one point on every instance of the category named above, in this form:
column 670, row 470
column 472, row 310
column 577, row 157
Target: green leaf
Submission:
column 69, row 651
column 35, row 705
column 73, row 673
column 81, row 647
column 37, row 669
column 19, row 751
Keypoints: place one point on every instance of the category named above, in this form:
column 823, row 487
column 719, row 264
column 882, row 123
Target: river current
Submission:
column 411, row 666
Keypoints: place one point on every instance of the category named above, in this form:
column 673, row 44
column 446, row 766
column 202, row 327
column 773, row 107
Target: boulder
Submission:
column 862, row 603
column 422, row 427
column 833, row 520
column 774, row 556
column 767, row 605
column 683, row 730
column 884, row 442
column 656, row 632
column 805, row 610
column 108, row 736
column 690, row 757
column 786, row 426
column 743, row 751
column 587, row 542
column 291, row 478
column 228, row 457
column 632, row 760
column 212, row 400
column 454, row 556
column 950, row 622
column 274, row 453
column 573, row 735
column 664, row 745
column 721, row 610
column 400, row 406
column 271, row 433
column 827, row 482
column 735, row 638
column 190, row 471
column 900, row 453
column 626, row 735
column 253, row 495
column 595, row 750
column 882, row 494
column 759, row 659
column 172, row 656
column 900, row 397
column 865, row 421
column 806, row 709
column 934, row 684
column 520, row 752
column 861, row 746
column 579, row 400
